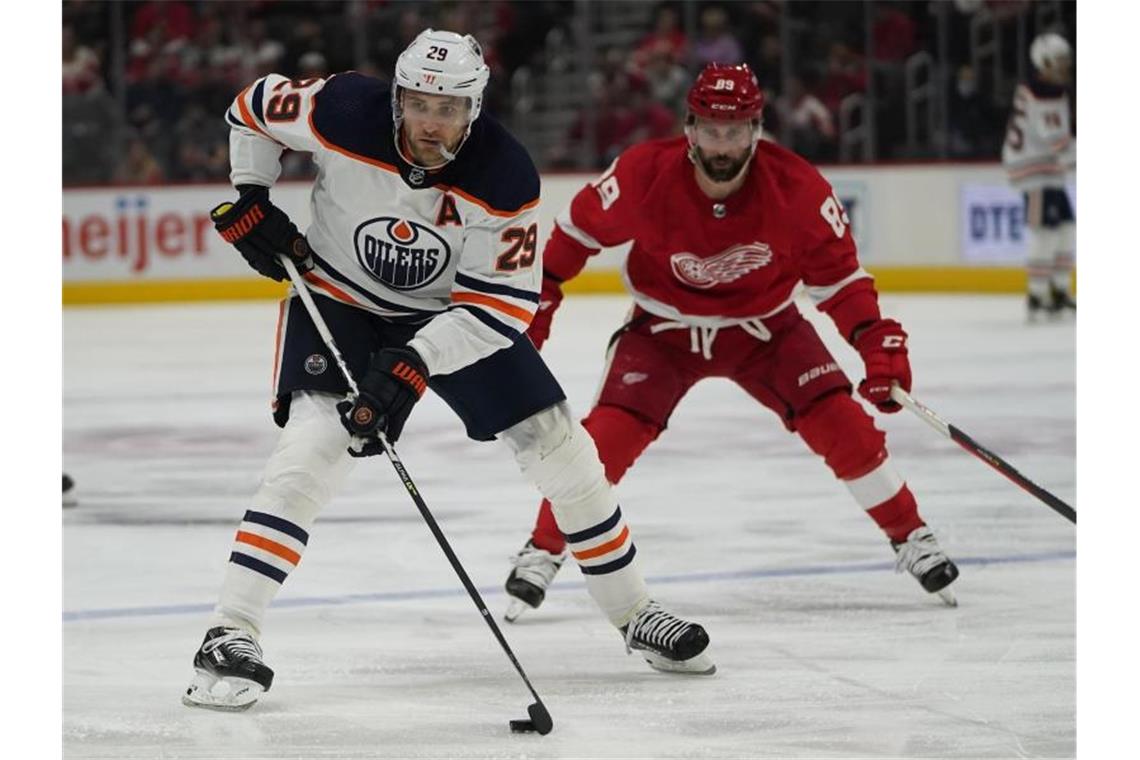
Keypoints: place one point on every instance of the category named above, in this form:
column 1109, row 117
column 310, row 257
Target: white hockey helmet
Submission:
column 1048, row 50
column 442, row 63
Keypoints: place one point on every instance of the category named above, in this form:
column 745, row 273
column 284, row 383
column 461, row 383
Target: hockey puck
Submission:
column 523, row 726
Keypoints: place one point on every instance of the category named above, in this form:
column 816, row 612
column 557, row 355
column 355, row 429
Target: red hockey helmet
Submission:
column 726, row 91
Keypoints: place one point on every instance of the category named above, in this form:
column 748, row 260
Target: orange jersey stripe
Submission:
column 493, row 303
column 483, row 204
column 247, row 116
column 336, row 148
column 605, row 548
column 284, row 552
column 331, row 289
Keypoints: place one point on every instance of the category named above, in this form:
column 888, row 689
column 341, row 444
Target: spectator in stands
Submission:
column 81, row 68
column 715, row 43
column 666, row 35
column 312, row 64
column 768, row 66
column 163, row 22
column 139, row 166
column 261, row 53
column 811, row 127
column 202, row 146
column 92, row 128
column 894, row 33
column 667, row 80
column 845, row 73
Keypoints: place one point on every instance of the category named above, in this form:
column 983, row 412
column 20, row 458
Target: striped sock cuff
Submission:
column 269, row 545
column 602, row 548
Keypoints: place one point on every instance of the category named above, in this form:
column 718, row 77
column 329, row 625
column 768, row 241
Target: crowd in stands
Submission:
column 149, row 109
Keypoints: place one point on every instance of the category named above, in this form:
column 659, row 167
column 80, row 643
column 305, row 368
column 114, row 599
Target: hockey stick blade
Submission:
column 540, row 717
column 981, row 452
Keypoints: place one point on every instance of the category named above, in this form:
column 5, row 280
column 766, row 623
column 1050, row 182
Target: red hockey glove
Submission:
column 548, row 302
column 882, row 344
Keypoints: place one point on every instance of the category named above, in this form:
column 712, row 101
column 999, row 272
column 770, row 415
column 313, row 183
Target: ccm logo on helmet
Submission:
column 401, row 253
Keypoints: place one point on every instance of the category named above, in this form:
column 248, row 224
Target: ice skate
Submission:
column 1061, row 301
column 526, row 585
column 921, row 556
column 69, row 499
column 667, row 642
column 229, row 675
column 1036, row 307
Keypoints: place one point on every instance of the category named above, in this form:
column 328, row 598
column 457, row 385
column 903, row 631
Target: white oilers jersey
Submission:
column 1039, row 147
column 454, row 248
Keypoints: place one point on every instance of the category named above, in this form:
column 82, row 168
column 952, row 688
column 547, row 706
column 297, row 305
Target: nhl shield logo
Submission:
column 316, row 364
column 401, row 253
column 416, row 176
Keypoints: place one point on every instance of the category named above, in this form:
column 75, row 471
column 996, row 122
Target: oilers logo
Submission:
column 401, row 253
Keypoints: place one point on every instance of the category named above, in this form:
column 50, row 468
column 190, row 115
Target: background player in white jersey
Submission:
column 1038, row 153
column 724, row 227
column 422, row 245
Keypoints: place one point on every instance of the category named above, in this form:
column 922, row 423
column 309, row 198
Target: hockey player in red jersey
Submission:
column 724, row 227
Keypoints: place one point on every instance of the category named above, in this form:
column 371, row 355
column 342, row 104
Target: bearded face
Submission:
column 721, row 148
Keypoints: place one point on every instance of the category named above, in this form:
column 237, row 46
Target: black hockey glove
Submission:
column 395, row 381
column 260, row 231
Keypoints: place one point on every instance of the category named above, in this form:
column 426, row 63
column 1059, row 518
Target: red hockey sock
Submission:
column 898, row 515
column 620, row 437
column 546, row 535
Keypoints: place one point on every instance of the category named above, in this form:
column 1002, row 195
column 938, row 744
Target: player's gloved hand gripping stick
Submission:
column 982, row 453
column 540, row 719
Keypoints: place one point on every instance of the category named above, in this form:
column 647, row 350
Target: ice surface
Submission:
column 823, row 651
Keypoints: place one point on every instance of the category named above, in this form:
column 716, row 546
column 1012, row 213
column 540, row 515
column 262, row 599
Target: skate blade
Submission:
column 225, row 694
column 515, row 609
column 701, row 665
column 947, row 597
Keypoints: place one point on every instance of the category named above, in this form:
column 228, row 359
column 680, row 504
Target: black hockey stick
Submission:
column 984, row 454
column 540, row 719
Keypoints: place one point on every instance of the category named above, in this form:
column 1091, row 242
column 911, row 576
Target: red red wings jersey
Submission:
column 709, row 263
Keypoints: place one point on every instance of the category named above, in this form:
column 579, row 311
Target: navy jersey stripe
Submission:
column 487, row 319
column 270, row 521
column 258, row 94
column 234, row 120
column 494, row 287
column 370, row 296
column 269, row 571
column 597, row 530
column 610, row 567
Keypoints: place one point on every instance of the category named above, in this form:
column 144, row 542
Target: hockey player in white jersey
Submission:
column 423, row 246
column 1038, row 153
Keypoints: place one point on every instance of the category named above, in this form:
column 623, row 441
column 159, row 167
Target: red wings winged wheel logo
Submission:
column 724, row 267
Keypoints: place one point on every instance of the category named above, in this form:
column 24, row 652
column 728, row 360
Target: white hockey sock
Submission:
column 1039, row 264
column 1062, row 275
column 302, row 474
column 559, row 456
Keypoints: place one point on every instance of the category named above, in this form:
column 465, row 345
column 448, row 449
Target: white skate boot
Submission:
column 667, row 642
column 230, row 674
column 921, row 556
column 527, row 583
